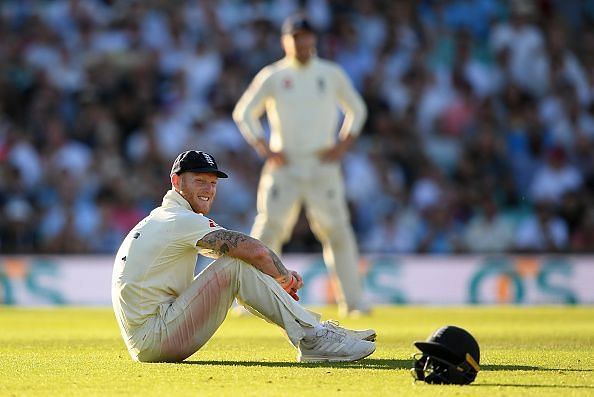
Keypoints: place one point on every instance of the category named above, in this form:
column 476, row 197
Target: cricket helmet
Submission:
column 450, row 355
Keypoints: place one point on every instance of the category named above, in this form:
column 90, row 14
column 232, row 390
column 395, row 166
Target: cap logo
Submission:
column 208, row 159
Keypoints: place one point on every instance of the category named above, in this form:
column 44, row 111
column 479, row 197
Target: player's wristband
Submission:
column 289, row 284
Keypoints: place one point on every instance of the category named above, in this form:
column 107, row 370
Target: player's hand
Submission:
column 331, row 155
column 297, row 286
column 336, row 153
column 291, row 283
column 276, row 160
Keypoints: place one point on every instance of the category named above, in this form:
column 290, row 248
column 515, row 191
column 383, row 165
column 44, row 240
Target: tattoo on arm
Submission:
column 278, row 264
column 221, row 241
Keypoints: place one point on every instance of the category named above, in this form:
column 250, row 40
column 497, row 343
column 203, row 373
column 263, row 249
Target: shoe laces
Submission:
column 334, row 326
column 329, row 333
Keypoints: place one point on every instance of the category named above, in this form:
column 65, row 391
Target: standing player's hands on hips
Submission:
column 335, row 153
column 276, row 160
column 272, row 159
column 331, row 155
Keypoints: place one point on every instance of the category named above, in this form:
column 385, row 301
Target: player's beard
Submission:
column 193, row 198
column 200, row 206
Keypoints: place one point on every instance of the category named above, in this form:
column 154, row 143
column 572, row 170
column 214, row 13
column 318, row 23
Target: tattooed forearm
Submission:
column 221, row 241
column 224, row 249
column 246, row 248
column 278, row 264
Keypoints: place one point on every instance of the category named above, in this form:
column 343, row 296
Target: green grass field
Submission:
column 78, row 352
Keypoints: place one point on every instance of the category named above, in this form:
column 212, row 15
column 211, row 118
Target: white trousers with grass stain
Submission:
column 182, row 327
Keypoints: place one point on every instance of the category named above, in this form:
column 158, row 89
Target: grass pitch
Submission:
column 78, row 351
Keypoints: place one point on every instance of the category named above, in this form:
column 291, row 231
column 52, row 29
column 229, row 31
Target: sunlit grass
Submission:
column 78, row 351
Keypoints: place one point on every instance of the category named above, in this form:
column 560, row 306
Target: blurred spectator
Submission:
column 370, row 24
column 526, row 43
column 428, row 189
column 488, row 230
column 573, row 209
column 542, row 231
column 68, row 217
column 22, row 155
column 555, row 177
column 527, row 139
column 106, row 237
column 350, row 51
column 483, row 167
column 61, row 153
column 439, row 232
column 125, row 213
column 18, row 217
column 582, row 240
column 18, row 232
column 395, row 232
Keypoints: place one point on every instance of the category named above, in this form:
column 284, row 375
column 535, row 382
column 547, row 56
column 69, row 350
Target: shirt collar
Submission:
column 174, row 199
column 294, row 63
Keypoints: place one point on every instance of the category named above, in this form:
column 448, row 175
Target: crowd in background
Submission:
column 480, row 136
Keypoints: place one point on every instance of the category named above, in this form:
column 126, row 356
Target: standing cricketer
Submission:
column 165, row 313
column 301, row 95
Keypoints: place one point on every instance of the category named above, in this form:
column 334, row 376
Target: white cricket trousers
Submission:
column 319, row 187
column 182, row 327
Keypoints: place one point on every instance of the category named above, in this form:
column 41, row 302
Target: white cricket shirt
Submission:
column 156, row 260
column 302, row 104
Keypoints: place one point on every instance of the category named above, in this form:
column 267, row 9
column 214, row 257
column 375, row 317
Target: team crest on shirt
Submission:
column 321, row 85
column 212, row 223
column 287, row 83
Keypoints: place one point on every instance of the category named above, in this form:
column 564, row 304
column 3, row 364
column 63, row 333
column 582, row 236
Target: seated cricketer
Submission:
column 165, row 313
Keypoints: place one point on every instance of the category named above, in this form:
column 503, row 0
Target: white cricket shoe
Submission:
column 328, row 345
column 363, row 334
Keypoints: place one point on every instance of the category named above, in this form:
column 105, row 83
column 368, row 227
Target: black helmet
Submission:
column 449, row 356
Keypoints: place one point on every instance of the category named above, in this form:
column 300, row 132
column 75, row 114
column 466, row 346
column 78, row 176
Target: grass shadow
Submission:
column 534, row 386
column 383, row 364
column 528, row 368
column 370, row 363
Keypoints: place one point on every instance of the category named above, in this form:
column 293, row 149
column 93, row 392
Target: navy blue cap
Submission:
column 196, row 161
column 297, row 23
